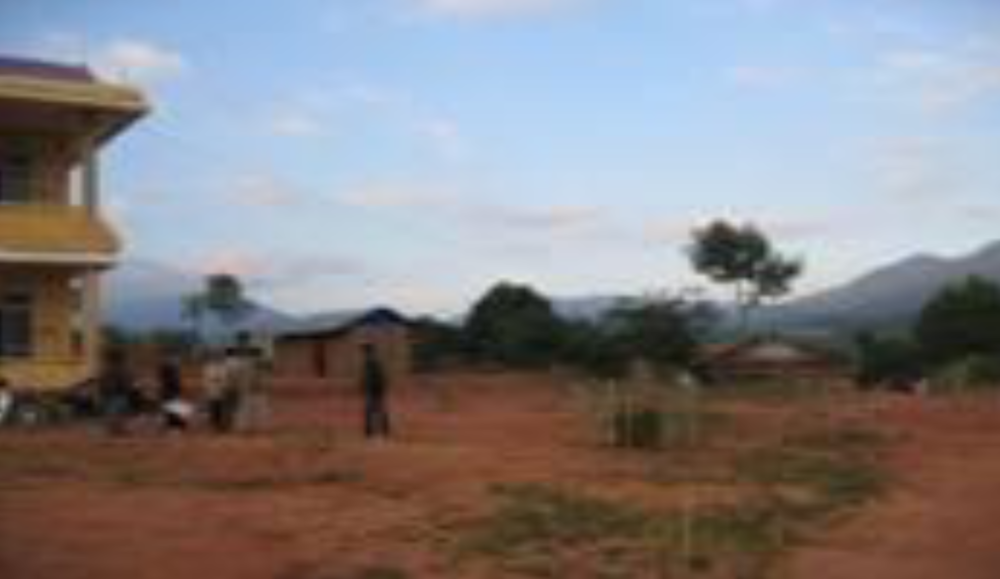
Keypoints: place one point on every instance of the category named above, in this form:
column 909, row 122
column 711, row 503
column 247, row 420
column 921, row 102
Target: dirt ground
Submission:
column 310, row 499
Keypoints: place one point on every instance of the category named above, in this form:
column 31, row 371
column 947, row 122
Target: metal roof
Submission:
column 37, row 69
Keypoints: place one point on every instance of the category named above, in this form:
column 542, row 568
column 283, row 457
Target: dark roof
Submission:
column 371, row 318
column 41, row 70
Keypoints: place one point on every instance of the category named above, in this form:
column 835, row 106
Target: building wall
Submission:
column 58, row 358
column 337, row 357
column 54, row 158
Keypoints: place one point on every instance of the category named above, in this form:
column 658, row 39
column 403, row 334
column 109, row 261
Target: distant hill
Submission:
column 143, row 295
column 891, row 296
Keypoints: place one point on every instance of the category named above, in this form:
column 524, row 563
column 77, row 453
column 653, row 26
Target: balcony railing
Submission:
column 38, row 233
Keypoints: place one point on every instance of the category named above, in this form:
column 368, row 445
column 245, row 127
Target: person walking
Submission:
column 175, row 411
column 375, row 390
column 218, row 393
column 251, row 383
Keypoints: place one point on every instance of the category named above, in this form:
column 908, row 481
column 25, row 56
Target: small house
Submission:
column 333, row 350
column 771, row 358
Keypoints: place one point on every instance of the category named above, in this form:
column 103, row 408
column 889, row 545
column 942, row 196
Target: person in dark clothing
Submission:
column 171, row 396
column 116, row 392
column 374, row 387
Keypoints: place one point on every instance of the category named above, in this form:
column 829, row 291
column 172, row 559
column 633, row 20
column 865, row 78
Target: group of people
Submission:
column 235, row 393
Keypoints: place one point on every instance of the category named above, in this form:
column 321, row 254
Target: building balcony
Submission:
column 36, row 234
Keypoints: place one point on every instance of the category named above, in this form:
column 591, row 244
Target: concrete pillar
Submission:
column 91, row 180
column 90, row 319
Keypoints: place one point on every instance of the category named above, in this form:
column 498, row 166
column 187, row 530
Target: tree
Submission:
column 742, row 256
column 222, row 297
column 663, row 331
column 961, row 321
column 437, row 344
column 893, row 360
column 515, row 326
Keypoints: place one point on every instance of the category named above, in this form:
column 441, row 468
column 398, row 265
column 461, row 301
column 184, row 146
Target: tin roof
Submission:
column 370, row 318
column 54, row 86
column 41, row 70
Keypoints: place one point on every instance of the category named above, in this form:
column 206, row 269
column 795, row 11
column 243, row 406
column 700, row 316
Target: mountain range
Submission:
column 142, row 295
column 888, row 297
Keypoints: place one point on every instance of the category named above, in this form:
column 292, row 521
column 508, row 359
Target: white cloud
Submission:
column 917, row 168
column 292, row 123
column 273, row 270
column 449, row 206
column 261, row 190
column 137, row 61
column 484, row 9
column 760, row 77
column 444, row 135
column 942, row 80
column 130, row 60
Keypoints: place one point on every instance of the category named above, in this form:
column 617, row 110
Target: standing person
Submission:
column 374, row 388
column 216, row 383
column 6, row 401
column 117, row 392
column 174, row 409
column 253, row 388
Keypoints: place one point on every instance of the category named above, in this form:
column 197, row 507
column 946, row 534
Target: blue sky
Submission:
column 339, row 153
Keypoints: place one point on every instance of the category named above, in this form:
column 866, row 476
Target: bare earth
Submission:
column 310, row 499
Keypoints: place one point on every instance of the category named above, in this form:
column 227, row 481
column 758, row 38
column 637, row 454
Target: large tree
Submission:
column 221, row 297
column 743, row 257
column 515, row 326
column 962, row 321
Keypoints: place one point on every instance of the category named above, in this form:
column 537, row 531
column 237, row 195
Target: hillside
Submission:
column 890, row 296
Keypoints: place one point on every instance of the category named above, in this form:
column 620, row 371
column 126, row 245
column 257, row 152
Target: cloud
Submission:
column 760, row 77
column 293, row 123
column 918, row 168
column 137, row 61
column 486, row 9
column 943, row 80
column 451, row 207
column 443, row 134
column 262, row 190
column 275, row 270
column 129, row 60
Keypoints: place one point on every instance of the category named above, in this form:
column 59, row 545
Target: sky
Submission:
column 344, row 153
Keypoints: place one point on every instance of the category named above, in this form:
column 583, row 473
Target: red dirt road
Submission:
column 311, row 500
column 942, row 519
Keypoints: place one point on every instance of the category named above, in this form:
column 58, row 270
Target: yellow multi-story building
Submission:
column 54, row 242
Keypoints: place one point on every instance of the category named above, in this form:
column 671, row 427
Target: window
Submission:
column 15, row 178
column 15, row 325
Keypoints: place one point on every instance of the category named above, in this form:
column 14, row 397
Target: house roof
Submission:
column 375, row 317
column 38, row 234
column 53, row 86
column 41, row 70
column 769, row 351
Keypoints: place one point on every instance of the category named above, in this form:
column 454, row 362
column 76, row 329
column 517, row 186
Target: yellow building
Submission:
column 54, row 243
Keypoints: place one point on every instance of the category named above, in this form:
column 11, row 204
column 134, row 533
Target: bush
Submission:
column 971, row 372
column 639, row 428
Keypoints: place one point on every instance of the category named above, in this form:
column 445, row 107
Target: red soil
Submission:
column 310, row 499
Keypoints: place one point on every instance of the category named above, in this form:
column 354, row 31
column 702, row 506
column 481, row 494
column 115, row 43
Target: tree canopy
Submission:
column 515, row 326
column 743, row 257
column 963, row 320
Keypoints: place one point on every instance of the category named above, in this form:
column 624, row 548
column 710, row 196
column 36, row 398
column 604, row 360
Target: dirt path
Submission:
column 943, row 519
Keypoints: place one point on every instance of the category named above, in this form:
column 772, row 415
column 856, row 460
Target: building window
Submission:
column 16, row 325
column 15, row 178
